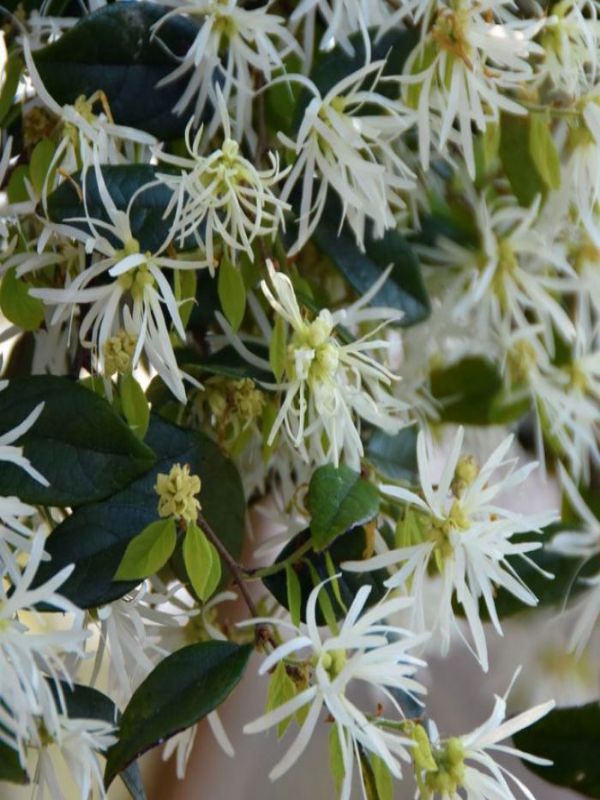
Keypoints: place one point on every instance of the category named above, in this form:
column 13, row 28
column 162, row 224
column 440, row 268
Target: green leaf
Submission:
column 149, row 551
column 339, row 499
column 294, row 594
column 395, row 455
column 185, row 282
column 96, row 536
column 17, row 185
column 79, row 444
column 404, row 289
column 10, row 766
column 313, row 568
column 281, row 689
column 336, row 759
column 384, row 781
column 232, row 293
column 570, row 738
column 278, row 349
column 41, row 158
column 122, row 181
column 179, row 692
column 134, row 404
column 12, row 73
column 112, row 50
column 466, row 390
column 202, row 562
column 17, row 304
column 543, row 150
column 517, row 160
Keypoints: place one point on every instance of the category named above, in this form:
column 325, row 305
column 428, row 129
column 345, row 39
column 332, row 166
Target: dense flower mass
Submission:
column 299, row 359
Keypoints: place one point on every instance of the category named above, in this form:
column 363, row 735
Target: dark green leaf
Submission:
column 517, row 160
column 113, row 50
column 348, row 547
column 122, row 182
column 339, row 499
column 404, row 289
column 95, row 537
column 10, row 766
column 181, row 690
column 570, row 738
column 80, row 445
column 466, row 390
column 395, row 456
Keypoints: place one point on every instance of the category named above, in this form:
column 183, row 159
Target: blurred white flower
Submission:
column 464, row 70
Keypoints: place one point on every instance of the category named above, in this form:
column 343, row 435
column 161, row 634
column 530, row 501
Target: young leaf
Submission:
column 336, row 759
column 17, row 304
column 543, row 150
column 185, row 281
column 232, row 293
column 339, row 499
column 278, row 349
column 95, row 537
column 202, row 562
column 180, row 691
column 41, row 158
column 294, row 595
column 281, row 689
column 79, row 444
column 384, row 781
column 149, row 551
column 134, row 404
column 12, row 73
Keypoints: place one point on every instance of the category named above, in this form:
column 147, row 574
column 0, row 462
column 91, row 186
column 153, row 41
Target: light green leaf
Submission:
column 41, row 158
column 281, row 689
column 17, row 304
column 294, row 593
column 278, row 349
column 339, row 499
column 17, row 185
column 336, row 760
column 12, row 73
column 543, row 149
column 383, row 778
column 517, row 160
column 232, row 293
column 185, row 281
column 202, row 562
column 134, row 404
column 148, row 552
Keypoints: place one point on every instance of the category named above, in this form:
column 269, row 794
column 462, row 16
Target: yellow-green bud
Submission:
column 249, row 401
column 118, row 352
column 177, row 493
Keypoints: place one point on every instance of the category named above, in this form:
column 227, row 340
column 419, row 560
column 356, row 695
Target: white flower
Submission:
column 337, row 146
column 341, row 18
column 571, row 40
column 366, row 649
column 87, row 137
column 231, row 43
column 465, row 536
column 463, row 70
column 466, row 766
column 75, row 744
column 16, row 535
column 581, row 543
column 27, row 659
column 132, row 301
column 222, row 199
column 515, row 273
column 329, row 385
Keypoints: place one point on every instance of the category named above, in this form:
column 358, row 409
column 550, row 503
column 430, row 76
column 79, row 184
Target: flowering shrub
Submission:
column 298, row 300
